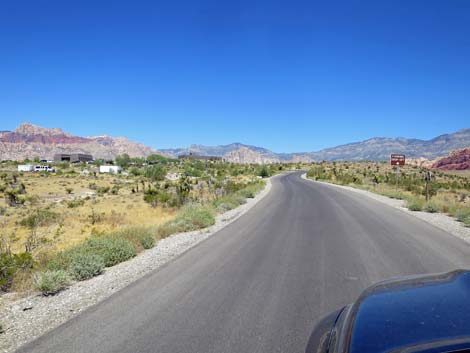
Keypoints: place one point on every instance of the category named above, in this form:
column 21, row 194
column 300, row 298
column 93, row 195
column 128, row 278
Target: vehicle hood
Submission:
column 411, row 312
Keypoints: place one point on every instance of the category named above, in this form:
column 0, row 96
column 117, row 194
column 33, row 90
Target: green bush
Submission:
column 140, row 236
column 414, row 204
column 147, row 241
column 84, row 265
column 247, row 193
column 316, row 173
column 59, row 262
column 431, row 207
column 39, row 217
column 463, row 215
column 190, row 217
column 101, row 190
column 113, row 250
column 194, row 216
column 52, row 282
column 77, row 202
column 229, row 202
column 89, row 258
column 10, row 264
column 264, row 172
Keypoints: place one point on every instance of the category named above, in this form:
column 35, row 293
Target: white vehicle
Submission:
column 25, row 168
column 113, row 169
column 44, row 168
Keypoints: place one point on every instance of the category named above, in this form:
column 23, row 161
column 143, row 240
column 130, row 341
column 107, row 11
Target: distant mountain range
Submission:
column 375, row 149
column 29, row 141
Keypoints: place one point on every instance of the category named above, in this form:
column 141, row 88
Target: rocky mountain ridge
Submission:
column 374, row 149
column 29, row 141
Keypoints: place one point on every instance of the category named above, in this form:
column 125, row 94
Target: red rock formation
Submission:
column 30, row 141
column 15, row 137
column 457, row 160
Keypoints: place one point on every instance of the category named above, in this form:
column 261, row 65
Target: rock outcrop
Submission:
column 456, row 160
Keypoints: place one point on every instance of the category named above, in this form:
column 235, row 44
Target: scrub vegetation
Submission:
column 68, row 226
column 447, row 192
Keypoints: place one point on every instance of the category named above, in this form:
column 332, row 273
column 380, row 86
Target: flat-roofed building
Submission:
column 73, row 157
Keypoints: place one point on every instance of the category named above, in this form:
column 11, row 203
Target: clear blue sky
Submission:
column 286, row 75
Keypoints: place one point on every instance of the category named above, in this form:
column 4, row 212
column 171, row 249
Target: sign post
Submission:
column 427, row 177
column 397, row 160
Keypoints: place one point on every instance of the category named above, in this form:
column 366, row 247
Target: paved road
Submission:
column 260, row 284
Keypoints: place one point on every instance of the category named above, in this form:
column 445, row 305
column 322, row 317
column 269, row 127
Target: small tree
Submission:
column 156, row 158
column 264, row 173
column 123, row 160
column 155, row 173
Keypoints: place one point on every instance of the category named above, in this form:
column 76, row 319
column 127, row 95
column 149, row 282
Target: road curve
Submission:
column 260, row 284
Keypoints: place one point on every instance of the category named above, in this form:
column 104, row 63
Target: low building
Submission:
column 25, row 168
column 113, row 169
column 73, row 157
column 197, row 156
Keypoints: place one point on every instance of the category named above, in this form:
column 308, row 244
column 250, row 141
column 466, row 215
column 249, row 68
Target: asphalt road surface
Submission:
column 260, row 284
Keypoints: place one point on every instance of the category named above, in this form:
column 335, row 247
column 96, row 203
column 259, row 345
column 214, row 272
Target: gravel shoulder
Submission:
column 438, row 220
column 28, row 318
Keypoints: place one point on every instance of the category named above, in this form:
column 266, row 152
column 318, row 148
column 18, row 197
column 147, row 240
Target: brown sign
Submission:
column 397, row 159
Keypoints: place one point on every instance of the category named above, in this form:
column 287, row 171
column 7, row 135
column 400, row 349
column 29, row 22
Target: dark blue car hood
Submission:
column 412, row 312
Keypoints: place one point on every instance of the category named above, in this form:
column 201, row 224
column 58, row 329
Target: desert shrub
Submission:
column 247, row 193
column 10, row 264
column 61, row 261
column 431, row 207
column 147, row 242
column 102, row 190
column 192, row 216
column 251, row 190
column 228, row 202
column 316, row 173
column 88, row 259
column 39, row 217
column 112, row 249
column 414, row 204
column 51, row 282
column 463, row 215
column 1, row 328
column 84, row 265
column 264, row 172
column 141, row 237
column 77, row 202
column 151, row 196
column 155, row 172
